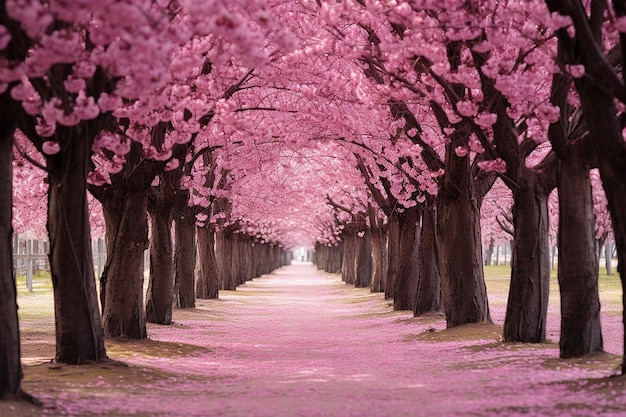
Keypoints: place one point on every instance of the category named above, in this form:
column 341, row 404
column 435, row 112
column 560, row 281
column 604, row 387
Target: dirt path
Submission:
column 301, row 343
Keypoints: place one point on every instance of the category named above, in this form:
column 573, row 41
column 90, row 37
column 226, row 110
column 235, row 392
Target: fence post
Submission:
column 29, row 265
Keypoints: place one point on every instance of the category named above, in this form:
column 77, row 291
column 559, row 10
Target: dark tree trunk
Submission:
column 527, row 306
column 160, row 294
column 460, row 245
column 235, row 260
column 336, row 259
column 224, row 254
column 608, row 257
column 79, row 334
column 428, row 298
column 185, row 258
column 379, row 254
column 163, row 200
column 581, row 333
column 348, row 262
column 393, row 255
column 121, row 285
column 363, row 258
column 10, row 366
column 248, row 260
column 489, row 254
column 206, row 267
column 328, row 258
column 608, row 144
column 408, row 260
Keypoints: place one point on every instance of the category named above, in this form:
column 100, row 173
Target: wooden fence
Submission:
column 31, row 255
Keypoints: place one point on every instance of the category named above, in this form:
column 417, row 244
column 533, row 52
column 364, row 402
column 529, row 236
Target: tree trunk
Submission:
column 489, row 255
column 160, row 294
column 235, row 259
column 608, row 257
column 393, row 255
column 460, row 245
column 379, row 254
column 248, row 263
column 224, row 254
column 363, row 258
column 79, row 333
column 10, row 366
column 408, row 260
column 207, row 269
column 608, row 143
column 581, row 333
column 348, row 263
column 337, row 258
column 121, row 284
column 185, row 259
column 428, row 298
column 527, row 306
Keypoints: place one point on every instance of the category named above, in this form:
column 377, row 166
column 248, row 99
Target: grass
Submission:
column 497, row 278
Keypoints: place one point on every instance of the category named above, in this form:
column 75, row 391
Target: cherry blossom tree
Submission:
column 66, row 87
column 589, row 42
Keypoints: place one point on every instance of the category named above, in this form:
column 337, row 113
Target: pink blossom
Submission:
column 548, row 112
column 461, row 151
column 45, row 129
column 620, row 24
column 496, row 165
column 31, row 14
column 68, row 119
column 486, row 120
column 33, row 105
column 50, row 147
column 98, row 178
column 466, row 108
column 109, row 102
column 74, row 85
column 86, row 108
column 84, row 69
column 474, row 144
column 171, row 165
column 576, row 71
column 5, row 37
column 51, row 110
column 558, row 21
column 23, row 91
column 482, row 47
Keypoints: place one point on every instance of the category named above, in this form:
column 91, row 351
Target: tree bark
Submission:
column 348, row 263
column 527, row 306
column 608, row 146
column 460, row 244
column 122, row 280
column 207, row 266
column 408, row 260
column 393, row 255
column 236, row 260
column 428, row 298
column 79, row 333
column 224, row 254
column 578, row 268
column 185, row 259
column 10, row 366
column 160, row 294
column 608, row 257
column 489, row 255
column 379, row 254
column 363, row 260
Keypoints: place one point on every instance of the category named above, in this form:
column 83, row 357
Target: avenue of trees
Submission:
column 396, row 138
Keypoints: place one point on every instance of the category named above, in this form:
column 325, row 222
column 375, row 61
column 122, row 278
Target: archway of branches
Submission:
column 396, row 141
